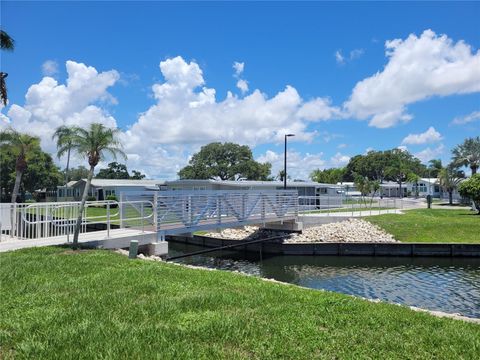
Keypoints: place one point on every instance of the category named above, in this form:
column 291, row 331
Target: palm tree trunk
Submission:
column 66, row 170
column 16, row 188
column 474, row 169
column 400, row 188
column 450, row 197
column 82, row 207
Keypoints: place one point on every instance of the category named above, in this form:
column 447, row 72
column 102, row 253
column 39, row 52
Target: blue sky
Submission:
column 320, row 69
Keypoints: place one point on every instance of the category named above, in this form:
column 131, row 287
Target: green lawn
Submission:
column 97, row 304
column 431, row 225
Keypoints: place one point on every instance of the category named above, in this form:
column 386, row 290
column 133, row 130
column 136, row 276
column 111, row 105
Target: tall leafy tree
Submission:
column 40, row 173
column 328, row 176
column 450, row 178
column 94, row 143
column 402, row 164
column 225, row 161
column 22, row 146
column 8, row 44
column 64, row 136
column 114, row 171
column 468, row 154
column 471, row 189
column 78, row 173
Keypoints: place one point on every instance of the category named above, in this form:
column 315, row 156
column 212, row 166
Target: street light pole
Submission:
column 285, row 162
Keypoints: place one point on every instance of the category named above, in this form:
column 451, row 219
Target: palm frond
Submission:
column 6, row 41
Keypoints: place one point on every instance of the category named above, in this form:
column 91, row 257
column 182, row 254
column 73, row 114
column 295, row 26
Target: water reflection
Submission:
column 443, row 284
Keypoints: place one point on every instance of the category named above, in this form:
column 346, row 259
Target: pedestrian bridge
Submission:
column 156, row 212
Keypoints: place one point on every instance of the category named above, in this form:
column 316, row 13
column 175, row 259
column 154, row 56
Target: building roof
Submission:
column 244, row 183
column 121, row 182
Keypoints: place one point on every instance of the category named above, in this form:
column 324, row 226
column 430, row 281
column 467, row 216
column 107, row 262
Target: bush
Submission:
column 30, row 201
column 112, row 198
column 471, row 189
column 91, row 198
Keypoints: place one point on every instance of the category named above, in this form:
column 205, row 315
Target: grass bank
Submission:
column 431, row 225
column 97, row 304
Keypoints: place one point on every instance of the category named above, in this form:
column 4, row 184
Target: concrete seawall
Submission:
column 340, row 249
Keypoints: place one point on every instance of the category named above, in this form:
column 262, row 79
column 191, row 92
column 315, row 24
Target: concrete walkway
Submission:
column 118, row 238
column 354, row 213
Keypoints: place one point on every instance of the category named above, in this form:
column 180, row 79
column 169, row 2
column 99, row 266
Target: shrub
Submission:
column 112, row 198
column 91, row 198
column 30, row 201
column 471, row 188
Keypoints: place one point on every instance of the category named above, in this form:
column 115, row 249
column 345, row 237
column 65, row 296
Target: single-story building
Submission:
column 304, row 188
column 101, row 188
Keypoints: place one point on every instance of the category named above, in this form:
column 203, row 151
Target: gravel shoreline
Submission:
column 348, row 231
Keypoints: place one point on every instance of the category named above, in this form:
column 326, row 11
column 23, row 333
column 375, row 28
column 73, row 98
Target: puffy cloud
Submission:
column 298, row 166
column 461, row 120
column 428, row 154
column 188, row 114
column 242, row 85
column 418, row 68
column 50, row 68
column 238, row 67
column 427, row 137
column 319, row 109
column 49, row 104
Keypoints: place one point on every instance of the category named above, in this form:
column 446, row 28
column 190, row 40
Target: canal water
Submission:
column 450, row 285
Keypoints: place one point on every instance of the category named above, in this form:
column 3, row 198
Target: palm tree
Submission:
column 468, row 154
column 64, row 136
column 22, row 146
column 94, row 143
column 434, row 167
column 450, row 178
column 8, row 44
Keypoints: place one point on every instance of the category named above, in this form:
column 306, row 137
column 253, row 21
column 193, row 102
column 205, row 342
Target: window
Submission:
column 109, row 192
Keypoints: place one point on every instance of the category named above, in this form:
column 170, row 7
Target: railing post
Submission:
column 108, row 219
column 244, row 207
column 143, row 220
column 219, row 209
column 155, row 210
column 263, row 206
column 120, row 210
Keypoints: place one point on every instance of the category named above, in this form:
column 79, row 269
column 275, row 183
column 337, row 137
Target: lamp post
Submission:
column 285, row 162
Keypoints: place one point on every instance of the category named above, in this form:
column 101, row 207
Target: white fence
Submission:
column 43, row 220
column 351, row 204
column 163, row 211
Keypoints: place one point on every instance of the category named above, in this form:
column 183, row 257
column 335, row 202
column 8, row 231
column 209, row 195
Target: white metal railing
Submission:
column 353, row 205
column 50, row 219
column 188, row 211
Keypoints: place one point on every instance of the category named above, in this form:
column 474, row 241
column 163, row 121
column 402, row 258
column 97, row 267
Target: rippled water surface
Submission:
column 443, row 284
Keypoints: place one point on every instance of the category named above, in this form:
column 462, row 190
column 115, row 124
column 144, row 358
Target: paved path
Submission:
column 116, row 235
column 354, row 213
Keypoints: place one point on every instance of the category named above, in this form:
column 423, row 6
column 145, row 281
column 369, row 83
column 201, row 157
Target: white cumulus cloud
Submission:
column 428, row 154
column 242, row 85
column 299, row 166
column 49, row 104
column 427, row 137
column 418, row 68
column 188, row 114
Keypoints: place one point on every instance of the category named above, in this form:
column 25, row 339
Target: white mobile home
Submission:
column 101, row 188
